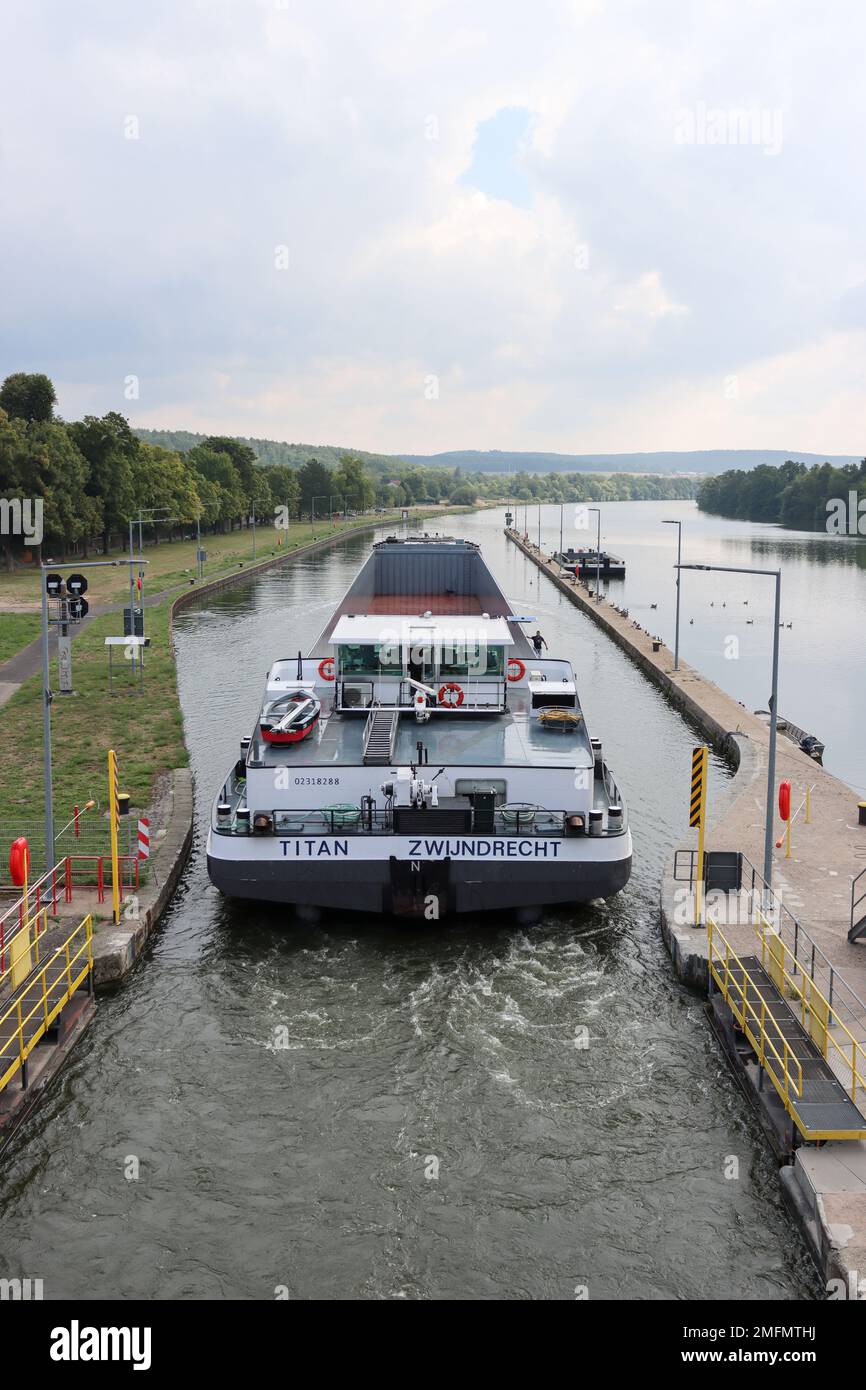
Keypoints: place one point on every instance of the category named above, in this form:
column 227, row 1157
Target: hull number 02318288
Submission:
column 317, row 782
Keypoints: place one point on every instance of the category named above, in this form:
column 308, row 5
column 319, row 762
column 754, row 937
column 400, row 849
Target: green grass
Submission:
column 17, row 630
column 145, row 732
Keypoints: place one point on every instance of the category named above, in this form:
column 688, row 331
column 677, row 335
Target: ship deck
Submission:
column 414, row 605
column 493, row 740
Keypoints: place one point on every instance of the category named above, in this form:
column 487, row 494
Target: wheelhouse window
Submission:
column 495, row 661
column 471, row 659
column 367, row 659
column 357, row 659
column 389, row 659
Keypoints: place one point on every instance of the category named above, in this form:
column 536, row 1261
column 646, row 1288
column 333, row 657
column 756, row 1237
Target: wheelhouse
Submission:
column 449, row 663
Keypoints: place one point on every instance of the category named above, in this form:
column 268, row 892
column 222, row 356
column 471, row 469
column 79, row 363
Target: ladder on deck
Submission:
column 380, row 733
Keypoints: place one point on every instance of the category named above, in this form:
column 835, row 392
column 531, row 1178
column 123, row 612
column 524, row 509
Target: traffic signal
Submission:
column 54, row 585
column 78, row 608
column 76, row 584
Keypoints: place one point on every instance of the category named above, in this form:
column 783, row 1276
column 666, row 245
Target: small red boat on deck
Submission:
column 291, row 718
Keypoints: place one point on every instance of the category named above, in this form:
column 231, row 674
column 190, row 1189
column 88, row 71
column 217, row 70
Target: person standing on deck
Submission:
column 538, row 642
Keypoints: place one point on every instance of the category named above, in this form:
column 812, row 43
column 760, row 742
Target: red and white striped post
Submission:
column 144, row 838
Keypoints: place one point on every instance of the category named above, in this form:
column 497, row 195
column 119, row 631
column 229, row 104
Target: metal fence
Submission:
column 93, row 841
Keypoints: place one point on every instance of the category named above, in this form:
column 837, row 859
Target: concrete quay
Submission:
column 825, row 1183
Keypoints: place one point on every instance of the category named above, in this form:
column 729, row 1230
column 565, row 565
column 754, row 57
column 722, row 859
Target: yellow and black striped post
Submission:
column 698, row 815
column 114, row 815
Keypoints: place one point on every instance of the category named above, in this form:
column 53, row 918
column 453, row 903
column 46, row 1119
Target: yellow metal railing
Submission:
column 19, row 951
column 30, row 1016
column 817, row 1014
column 752, row 1012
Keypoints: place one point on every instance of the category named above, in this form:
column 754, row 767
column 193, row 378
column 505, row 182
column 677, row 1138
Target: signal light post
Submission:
column 73, row 608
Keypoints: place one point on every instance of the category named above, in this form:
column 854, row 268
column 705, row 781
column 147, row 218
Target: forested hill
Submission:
column 268, row 451
column 801, row 498
column 271, row 451
column 666, row 461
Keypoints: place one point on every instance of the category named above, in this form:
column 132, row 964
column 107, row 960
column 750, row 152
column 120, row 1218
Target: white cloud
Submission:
column 310, row 127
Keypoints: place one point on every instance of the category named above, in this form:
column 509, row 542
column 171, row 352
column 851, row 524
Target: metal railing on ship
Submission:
column 343, row 819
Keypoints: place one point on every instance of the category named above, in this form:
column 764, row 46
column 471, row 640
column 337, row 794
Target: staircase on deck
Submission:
column 380, row 734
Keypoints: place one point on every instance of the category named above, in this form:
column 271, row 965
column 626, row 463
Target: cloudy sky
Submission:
column 428, row 224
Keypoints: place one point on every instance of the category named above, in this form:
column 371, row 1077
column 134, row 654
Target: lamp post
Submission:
column 539, row 526
column 774, row 703
column 320, row 497
column 679, row 526
column 148, row 516
column 597, row 511
column 561, row 506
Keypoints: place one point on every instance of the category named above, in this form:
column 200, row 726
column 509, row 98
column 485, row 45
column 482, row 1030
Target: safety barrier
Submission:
column 97, row 863
column 42, row 998
column 38, row 895
column 752, row 1012
column 817, row 1015
column 20, row 948
column 759, row 901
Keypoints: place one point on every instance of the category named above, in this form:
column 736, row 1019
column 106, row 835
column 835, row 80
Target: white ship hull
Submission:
column 420, row 875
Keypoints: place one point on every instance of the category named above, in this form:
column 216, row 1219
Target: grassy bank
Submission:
column 173, row 562
column 147, row 732
column 17, row 630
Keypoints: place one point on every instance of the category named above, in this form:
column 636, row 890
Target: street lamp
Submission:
column 320, row 497
column 597, row 511
column 561, row 506
column 774, row 703
column 679, row 526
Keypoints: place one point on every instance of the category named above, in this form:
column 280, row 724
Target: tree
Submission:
column 285, row 491
column 12, row 442
column 353, row 483
column 54, row 469
column 28, row 396
column 111, row 450
column 219, row 470
column 316, row 483
column 164, row 481
column 464, row 495
column 242, row 456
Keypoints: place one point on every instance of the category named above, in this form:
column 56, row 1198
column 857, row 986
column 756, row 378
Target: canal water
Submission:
column 368, row 1109
column 726, row 620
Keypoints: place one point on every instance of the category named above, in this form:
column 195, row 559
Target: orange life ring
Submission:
column 521, row 669
column 450, row 688
column 326, row 668
column 19, row 861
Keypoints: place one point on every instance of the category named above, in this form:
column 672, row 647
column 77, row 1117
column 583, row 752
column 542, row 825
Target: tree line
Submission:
column 796, row 496
column 93, row 476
